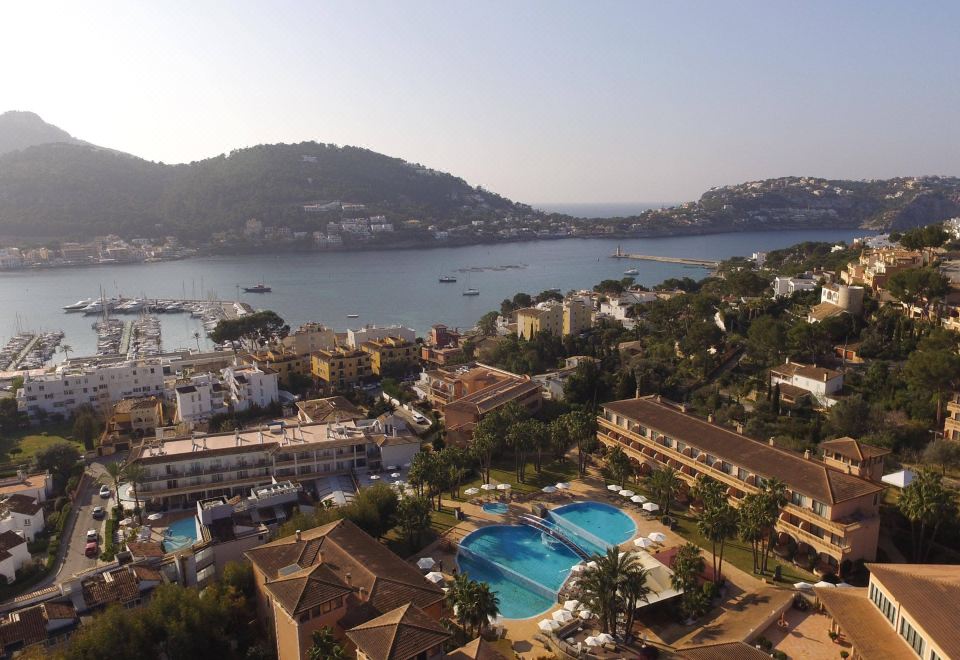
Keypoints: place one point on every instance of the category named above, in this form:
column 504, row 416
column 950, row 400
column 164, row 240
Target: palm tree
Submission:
column 485, row 606
column 65, row 349
column 115, row 474
column 926, row 503
column 664, row 484
column 633, row 591
column 135, row 474
column 687, row 568
column 717, row 521
column 750, row 524
column 196, row 336
column 484, row 443
column 601, row 587
column 776, row 497
column 582, row 427
column 325, row 646
column 464, row 598
column 619, row 465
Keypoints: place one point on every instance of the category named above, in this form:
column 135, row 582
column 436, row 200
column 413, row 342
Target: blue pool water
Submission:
column 498, row 508
column 526, row 568
column 180, row 534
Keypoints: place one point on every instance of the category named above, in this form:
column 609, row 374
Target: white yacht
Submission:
column 78, row 306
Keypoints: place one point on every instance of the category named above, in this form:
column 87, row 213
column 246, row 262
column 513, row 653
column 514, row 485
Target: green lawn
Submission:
column 503, row 472
column 32, row 440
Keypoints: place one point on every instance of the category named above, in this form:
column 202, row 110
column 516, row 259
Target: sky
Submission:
column 541, row 101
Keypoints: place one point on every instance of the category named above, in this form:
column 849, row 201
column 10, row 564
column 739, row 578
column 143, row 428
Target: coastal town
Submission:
column 763, row 463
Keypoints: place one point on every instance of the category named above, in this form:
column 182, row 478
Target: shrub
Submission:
column 59, row 503
column 779, row 655
column 72, row 484
column 38, row 545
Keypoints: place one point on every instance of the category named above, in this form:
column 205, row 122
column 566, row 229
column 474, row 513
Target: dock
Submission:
column 686, row 261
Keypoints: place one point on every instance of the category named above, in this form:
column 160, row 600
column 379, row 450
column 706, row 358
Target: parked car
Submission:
column 93, row 535
column 92, row 549
column 105, row 491
column 99, row 513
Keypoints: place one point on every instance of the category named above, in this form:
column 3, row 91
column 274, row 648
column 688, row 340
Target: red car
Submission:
column 92, row 549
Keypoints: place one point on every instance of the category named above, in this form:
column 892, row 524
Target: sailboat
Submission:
column 470, row 291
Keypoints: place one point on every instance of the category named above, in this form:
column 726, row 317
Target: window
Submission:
column 742, row 474
column 819, row 508
column 913, row 638
column 883, row 604
column 796, row 498
column 935, row 656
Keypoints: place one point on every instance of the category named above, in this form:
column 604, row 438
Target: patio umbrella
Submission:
column 426, row 563
column 374, row 477
column 503, row 486
column 549, row 489
column 548, row 625
column 155, row 516
column 651, row 506
column 435, row 577
column 571, row 605
column 605, row 638
column 627, row 493
column 802, row 585
column 395, row 475
column 585, row 614
column 642, row 542
column 563, row 485
column 562, row 616
column 592, row 641
column 488, row 487
column 824, row 583
column 657, row 537
column 639, row 499
column 613, row 487
column 471, row 491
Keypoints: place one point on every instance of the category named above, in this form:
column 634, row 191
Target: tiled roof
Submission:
column 27, row 626
column 495, row 395
column 478, row 649
column 330, row 409
column 825, row 310
column 146, row 573
column 54, row 610
column 304, row 589
column 22, row 504
column 853, row 448
column 862, row 623
column 723, row 651
column 930, row 593
column 145, row 548
column 399, row 634
column 9, row 539
column 116, row 586
column 791, row 369
column 808, row 476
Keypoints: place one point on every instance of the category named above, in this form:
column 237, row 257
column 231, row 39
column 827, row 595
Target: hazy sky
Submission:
column 540, row 101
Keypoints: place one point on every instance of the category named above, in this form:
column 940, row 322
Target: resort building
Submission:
column 198, row 398
column 797, row 381
column 405, row 633
column 619, row 307
column 356, row 338
column 571, row 317
column 855, row 457
column 63, row 390
column 309, row 338
column 338, row 576
column 341, row 367
column 831, row 516
column 390, row 350
column 906, row 612
column 836, row 299
column 284, row 363
column 184, row 470
column 132, row 419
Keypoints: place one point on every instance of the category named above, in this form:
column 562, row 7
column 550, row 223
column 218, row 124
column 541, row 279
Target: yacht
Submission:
column 353, row 316
column 445, row 279
column 258, row 288
column 79, row 305
column 96, row 307
column 471, row 292
column 631, row 271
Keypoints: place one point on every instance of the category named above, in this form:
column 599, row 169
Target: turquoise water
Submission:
column 526, row 568
column 180, row 534
column 498, row 508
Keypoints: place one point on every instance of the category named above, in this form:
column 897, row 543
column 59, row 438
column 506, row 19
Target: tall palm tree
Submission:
column 460, row 598
column 750, row 524
column 65, row 349
column 196, row 336
column 717, row 521
column 926, row 503
column 485, row 606
column 135, row 474
column 600, row 587
column 664, row 484
column 775, row 491
column 634, row 590
column 115, row 474
column 619, row 465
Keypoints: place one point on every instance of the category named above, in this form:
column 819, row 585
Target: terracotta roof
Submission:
column 400, row 634
column 723, row 651
column 54, row 610
column 792, row 391
column 862, row 623
column 330, row 409
column 791, row 369
column 930, row 594
column 825, row 310
column 146, row 573
column 9, row 539
column 810, row 477
column 22, row 504
column 307, row 588
column 495, row 395
column 478, row 649
column 354, row 558
column 145, row 548
column 26, row 626
column 530, row 311
column 854, row 448
column 116, row 586
column 129, row 405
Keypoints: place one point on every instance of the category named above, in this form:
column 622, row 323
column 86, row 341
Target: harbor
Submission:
column 685, row 261
column 27, row 350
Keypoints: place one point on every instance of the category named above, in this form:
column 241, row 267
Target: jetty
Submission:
column 686, row 261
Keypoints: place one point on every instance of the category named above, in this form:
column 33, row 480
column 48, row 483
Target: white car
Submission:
column 105, row 491
column 93, row 535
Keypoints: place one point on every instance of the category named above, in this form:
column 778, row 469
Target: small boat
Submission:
column 78, row 306
column 259, row 288
column 447, row 279
column 471, row 292
column 631, row 271
column 353, row 316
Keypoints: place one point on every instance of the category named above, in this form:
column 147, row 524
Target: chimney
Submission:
column 683, row 407
column 299, row 536
column 320, row 557
column 771, row 441
column 659, row 399
column 806, row 454
column 348, row 578
column 740, row 427
column 362, row 591
column 710, row 418
column 824, row 378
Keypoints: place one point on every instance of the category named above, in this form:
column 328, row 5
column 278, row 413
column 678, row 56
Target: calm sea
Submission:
column 398, row 286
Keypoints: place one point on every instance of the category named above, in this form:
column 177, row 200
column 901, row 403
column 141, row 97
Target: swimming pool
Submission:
column 180, row 534
column 497, row 508
column 526, row 567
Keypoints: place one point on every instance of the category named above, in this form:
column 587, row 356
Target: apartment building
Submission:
column 14, row 554
column 462, row 415
column 339, row 577
column 63, row 390
column 356, row 338
column 906, row 612
column 855, row 457
column 447, row 384
column 236, row 388
column 250, row 386
column 329, row 409
column 831, row 516
column 198, row 398
column 309, row 338
column 184, row 470
column 131, row 420
column 797, row 381
column 571, row 317
column 284, row 363
column 442, row 345
column 874, row 267
column 341, row 367
column 787, row 286
column 618, row 307
column 389, row 350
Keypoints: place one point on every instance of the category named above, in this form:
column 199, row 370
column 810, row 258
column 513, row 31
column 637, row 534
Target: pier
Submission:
column 700, row 263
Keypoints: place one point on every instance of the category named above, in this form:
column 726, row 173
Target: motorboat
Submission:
column 446, row 279
column 78, row 306
column 631, row 271
column 353, row 316
column 96, row 307
column 471, row 292
column 258, row 288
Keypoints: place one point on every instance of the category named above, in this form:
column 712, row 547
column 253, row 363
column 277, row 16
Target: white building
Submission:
column 837, row 299
column 618, row 306
column 198, row 398
column 787, row 286
column 14, row 554
column 371, row 332
column 235, row 388
column 795, row 378
column 250, row 386
column 310, row 338
column 23, row 514
column 67, row 388
column 38, row 485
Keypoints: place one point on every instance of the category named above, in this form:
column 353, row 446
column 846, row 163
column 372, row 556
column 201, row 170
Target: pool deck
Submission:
column 746, row 610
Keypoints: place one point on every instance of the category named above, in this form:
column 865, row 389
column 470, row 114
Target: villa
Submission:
column 832, row 516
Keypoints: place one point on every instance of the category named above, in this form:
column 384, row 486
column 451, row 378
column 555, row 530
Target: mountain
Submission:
column 19, row 130
column 809, row 202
